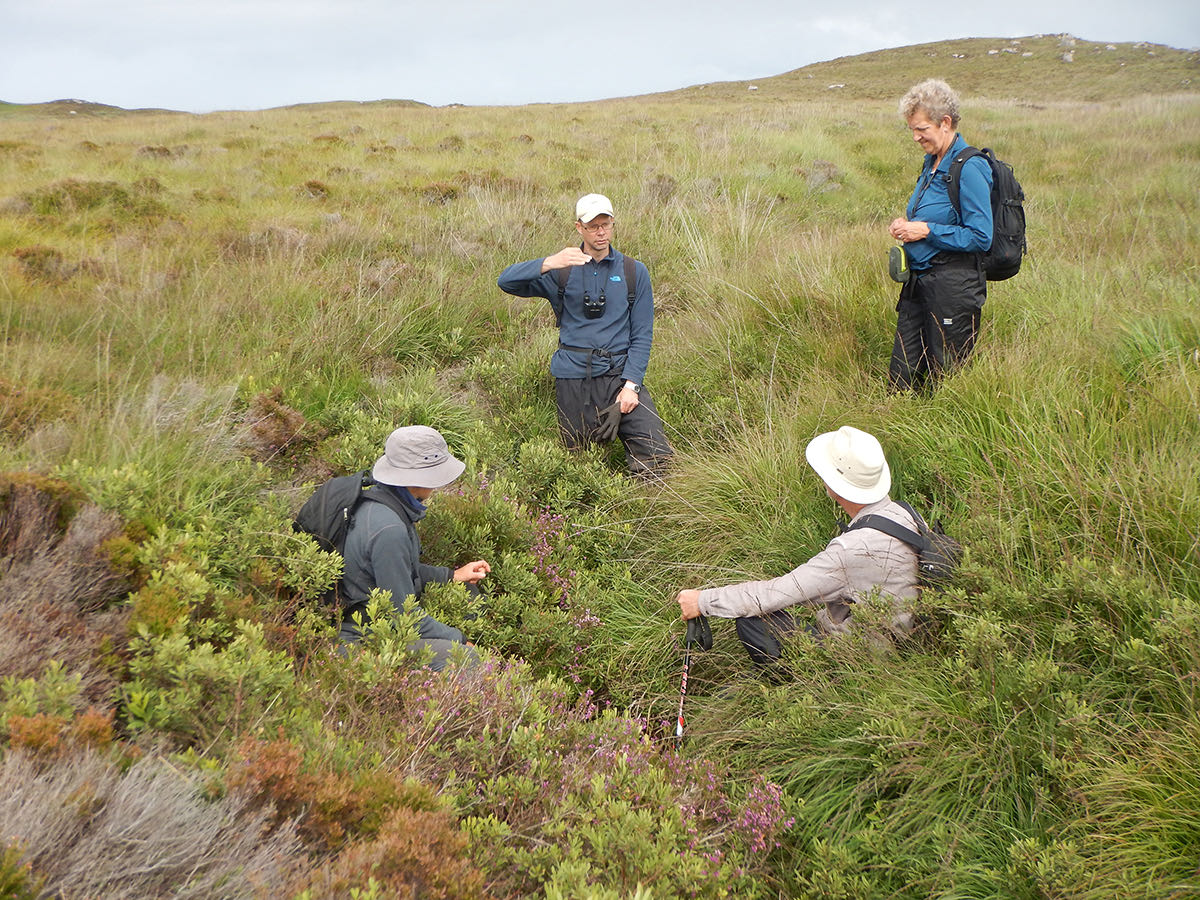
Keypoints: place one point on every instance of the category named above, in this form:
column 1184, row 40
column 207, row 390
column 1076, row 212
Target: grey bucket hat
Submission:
column 417, row 456
column 851, row 463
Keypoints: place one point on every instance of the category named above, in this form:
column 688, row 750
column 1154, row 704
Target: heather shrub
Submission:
column 57, row 569
column 54, row 734
column 415, row 854
column 324, row 805
column 38, row 733
column 23, row 407
column 277, row 429
column 42, row 537
column 41, row 263
column 72, row 195
column 556, row 792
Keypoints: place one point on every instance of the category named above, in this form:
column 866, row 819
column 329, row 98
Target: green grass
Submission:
column 161, row 274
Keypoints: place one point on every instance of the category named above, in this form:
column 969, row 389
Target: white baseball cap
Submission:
column 851, row 463
column 592, row 205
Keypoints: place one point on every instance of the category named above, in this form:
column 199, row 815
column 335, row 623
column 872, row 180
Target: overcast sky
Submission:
column 204, row 55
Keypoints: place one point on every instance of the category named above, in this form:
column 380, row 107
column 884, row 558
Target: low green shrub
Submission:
column 192, row 688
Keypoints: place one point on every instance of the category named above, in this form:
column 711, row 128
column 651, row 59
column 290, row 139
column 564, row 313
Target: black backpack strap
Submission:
column 365, row 480
column 891, row 527
column 916, row 516
column 955, row 175
column 385, row 495
column 561, row 275
column 631, row 278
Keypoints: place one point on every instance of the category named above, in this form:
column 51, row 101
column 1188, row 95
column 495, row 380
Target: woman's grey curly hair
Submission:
column 934, row 97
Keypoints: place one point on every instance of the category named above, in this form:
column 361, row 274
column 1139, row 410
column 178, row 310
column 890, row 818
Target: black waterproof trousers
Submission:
column 580, row 400
column 761, row 635
column 937, row 320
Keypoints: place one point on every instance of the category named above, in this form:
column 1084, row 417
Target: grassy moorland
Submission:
column 203, row 316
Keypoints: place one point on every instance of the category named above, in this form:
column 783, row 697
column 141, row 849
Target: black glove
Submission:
column 699, row 633
column 608, row 420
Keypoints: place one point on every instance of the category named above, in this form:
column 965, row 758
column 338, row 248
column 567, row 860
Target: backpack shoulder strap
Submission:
column 561, row 276
column 365, row 480
column 893, row 528
column 916, row 516
column 384, row 497
column 631, row 278
column 955, row 175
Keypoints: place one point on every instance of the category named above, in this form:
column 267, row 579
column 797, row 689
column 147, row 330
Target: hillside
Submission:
column 205, row 315
column 1035, row 69
column 1047, row 67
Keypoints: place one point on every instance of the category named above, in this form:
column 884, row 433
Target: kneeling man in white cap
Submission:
column 382, row 546
column 604, row 310
column 854, row 564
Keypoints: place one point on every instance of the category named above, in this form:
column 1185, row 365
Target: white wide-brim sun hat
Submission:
column 417, row 456
column 851, row 463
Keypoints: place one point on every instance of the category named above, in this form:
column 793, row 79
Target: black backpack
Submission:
column 563, row 274
column 938, row 554
column 327, row 515
column 1003, row 259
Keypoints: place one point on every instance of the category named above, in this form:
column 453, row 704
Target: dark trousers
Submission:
column 641, row 430
column 355, row 619
column 351, row 633
column 761, row 635
column 937, row 321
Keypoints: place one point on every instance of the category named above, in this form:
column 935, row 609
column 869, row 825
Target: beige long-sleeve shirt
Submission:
column 852, row 565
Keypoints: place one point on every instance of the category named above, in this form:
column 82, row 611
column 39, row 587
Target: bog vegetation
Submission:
column 204, row 316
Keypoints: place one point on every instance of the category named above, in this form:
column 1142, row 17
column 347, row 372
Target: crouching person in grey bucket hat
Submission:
column 852, row 566
column 382, row 546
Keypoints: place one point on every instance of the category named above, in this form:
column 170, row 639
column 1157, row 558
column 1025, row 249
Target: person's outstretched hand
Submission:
column 472, row 572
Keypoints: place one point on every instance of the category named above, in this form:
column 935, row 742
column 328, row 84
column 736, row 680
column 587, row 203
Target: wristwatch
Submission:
column 633, row 386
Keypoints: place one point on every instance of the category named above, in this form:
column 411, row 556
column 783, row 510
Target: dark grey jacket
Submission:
column 384, row 551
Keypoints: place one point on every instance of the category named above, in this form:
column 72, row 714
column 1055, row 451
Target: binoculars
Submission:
column 593, row 308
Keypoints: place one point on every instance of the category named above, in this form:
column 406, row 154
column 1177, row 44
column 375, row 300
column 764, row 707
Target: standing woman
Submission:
column 938, row 312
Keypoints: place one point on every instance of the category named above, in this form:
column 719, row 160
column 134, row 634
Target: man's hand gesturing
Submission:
column 567, row 256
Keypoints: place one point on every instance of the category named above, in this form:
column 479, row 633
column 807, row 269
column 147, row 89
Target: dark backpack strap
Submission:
column 916, row 516
column 385, row 496
column 892, row 527
column 561, row 275
column 365, row 480
column 631, row 278
column 955, row 175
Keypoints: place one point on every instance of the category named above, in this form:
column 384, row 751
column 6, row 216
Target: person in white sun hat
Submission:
column 382, row 546
column 854, row 564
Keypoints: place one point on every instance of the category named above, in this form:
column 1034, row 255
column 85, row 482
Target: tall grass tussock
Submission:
column 204, row 316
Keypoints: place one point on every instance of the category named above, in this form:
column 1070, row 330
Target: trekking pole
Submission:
column 687, row 662
column 698, row 632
